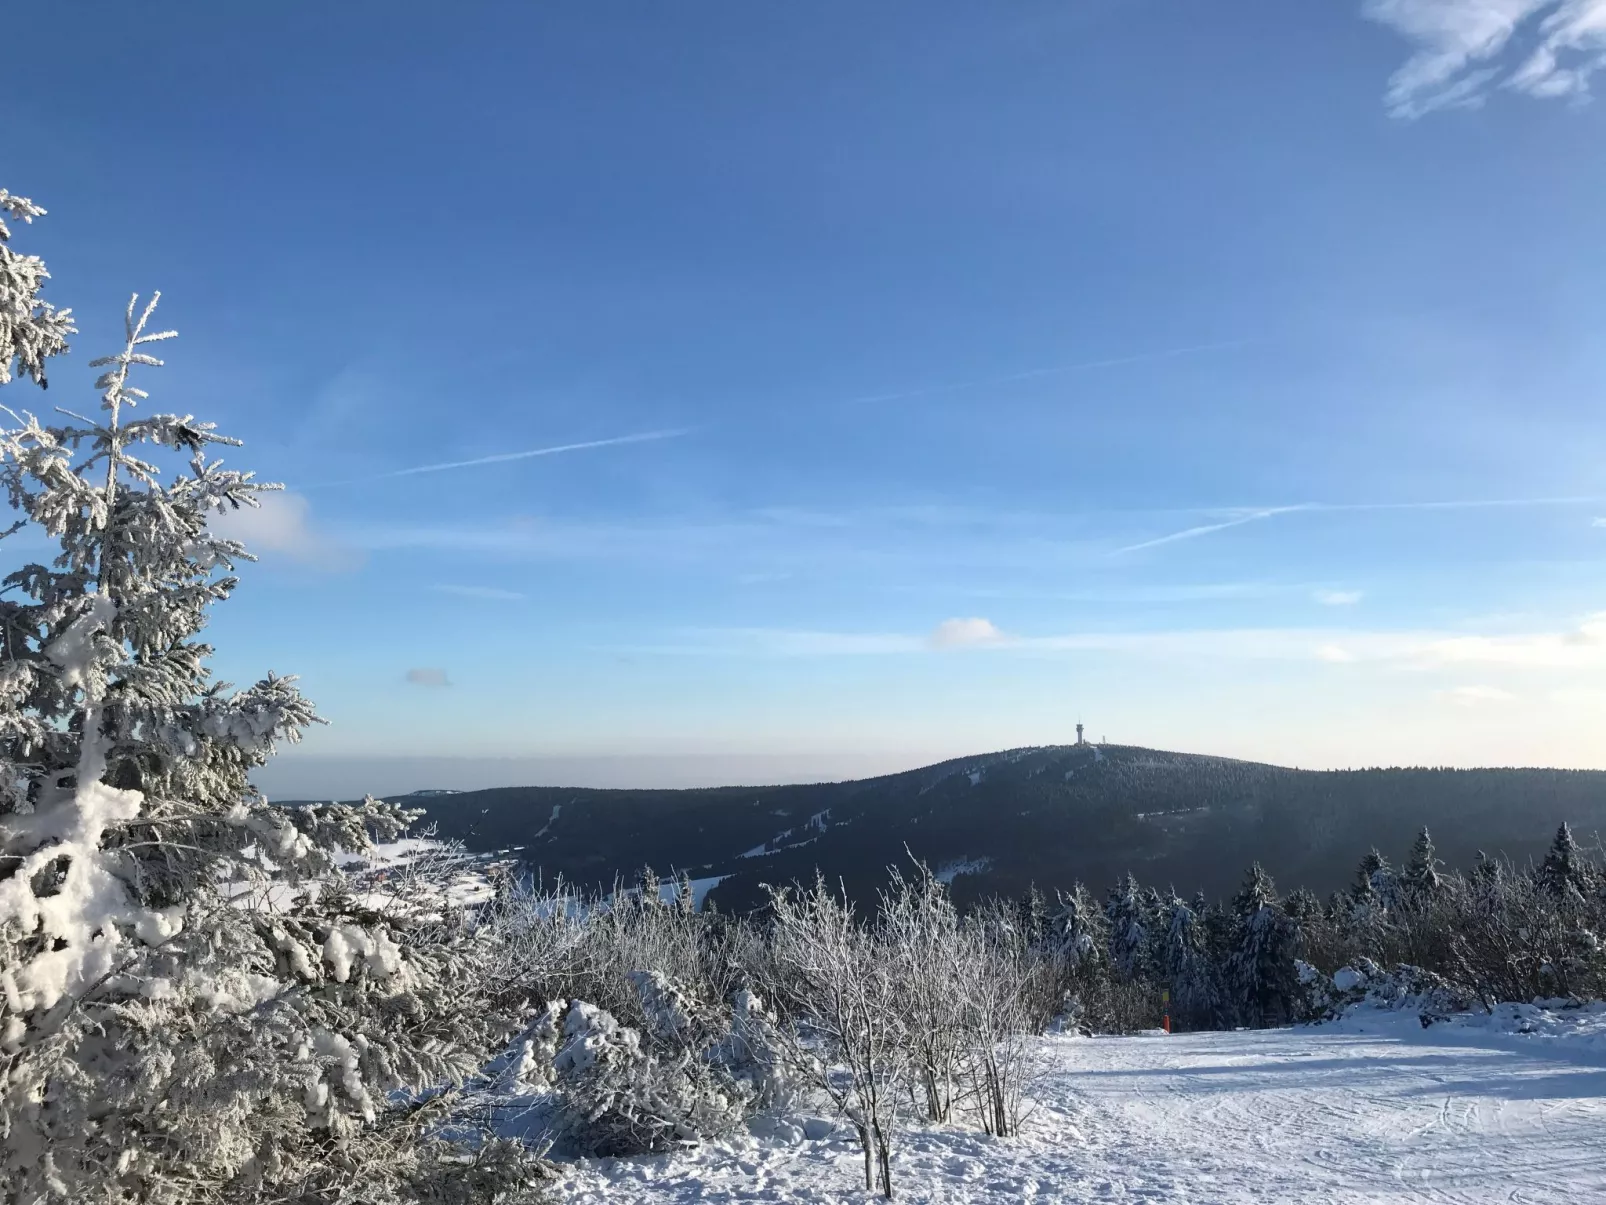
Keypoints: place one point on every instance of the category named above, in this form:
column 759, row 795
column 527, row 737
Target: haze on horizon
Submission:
column 741, row 393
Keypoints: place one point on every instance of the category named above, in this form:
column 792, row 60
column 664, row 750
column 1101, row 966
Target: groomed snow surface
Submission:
column 1373, row 1108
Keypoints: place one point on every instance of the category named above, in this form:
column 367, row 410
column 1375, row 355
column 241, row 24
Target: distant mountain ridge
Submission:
column 1049, row 815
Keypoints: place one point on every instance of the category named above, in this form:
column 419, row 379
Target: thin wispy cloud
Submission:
column 1243, row 515
column 1460, row 503
column 1476, row 696
column 490, row 592
column 1337, row 598
column 528, row 454
column 1581, row 646
column 282, row 525
column 1464, row 50
column 1032, row 374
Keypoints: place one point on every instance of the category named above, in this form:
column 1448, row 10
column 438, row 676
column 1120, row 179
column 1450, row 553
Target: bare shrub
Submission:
column 837, row 980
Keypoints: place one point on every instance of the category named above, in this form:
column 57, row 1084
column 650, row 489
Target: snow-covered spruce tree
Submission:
column 158, row 1041
column 1195, row 984
column 1261, row 970
column 1421, row 881
column 1080, row 948
column 1565, row 872
column 1127, row 913
column 1135, row 932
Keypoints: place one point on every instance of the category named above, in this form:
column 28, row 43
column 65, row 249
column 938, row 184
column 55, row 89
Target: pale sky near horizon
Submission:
column 710, row 391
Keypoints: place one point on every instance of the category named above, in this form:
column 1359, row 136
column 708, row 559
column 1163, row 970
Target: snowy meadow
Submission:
column 208, row 998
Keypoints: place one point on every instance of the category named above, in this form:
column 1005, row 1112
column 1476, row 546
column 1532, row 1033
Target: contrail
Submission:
column 926, row 391
column 1205, row 529
column 502, row 457
column 1031, row 374
column 1267, row 512
column 1460, row 504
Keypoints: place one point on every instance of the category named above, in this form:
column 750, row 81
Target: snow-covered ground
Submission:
column 1373, row 1108
column 380, row 879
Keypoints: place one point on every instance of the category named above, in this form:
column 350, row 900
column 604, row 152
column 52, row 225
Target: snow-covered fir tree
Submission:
column 1079, row 928
column 1375, row 882
column 161, row 1040
column 1564, row 871
column 1421, row 880
column 1261, row 968
column 1129, row 920
column 1187, row 967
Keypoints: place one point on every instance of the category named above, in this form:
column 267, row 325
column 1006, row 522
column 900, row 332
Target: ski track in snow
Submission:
column 1377, row 1110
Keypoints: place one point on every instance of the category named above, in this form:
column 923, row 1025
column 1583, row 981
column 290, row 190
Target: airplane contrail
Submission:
column 926, row 391
column 1244, row 516
column 503, row 457
column 1031, row 374
column 1204, row 529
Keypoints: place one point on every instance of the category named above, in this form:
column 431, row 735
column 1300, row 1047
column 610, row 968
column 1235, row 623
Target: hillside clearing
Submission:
column 1373, row 1109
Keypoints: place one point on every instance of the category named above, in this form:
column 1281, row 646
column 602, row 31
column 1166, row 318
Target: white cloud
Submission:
column 1579, row 696
column 1337, row 598
column 1576, row 647
column 1579, row 647
column 1476, row 696
column 282, row 524
column 492, row 592
column 965, row 633
column 1601, row 522
column 428, row 676
column 1462, row 49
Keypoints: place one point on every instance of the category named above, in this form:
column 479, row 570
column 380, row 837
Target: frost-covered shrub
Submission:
column 838, row 981
column 668, row 1010
column 1366, row 985
column 622, row 1096
column 571, row 945
column 754, row 1055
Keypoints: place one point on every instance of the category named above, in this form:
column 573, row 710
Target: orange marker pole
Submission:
column 1165, row 1003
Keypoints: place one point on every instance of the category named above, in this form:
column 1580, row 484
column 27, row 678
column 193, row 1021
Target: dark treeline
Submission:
column 1492, row 932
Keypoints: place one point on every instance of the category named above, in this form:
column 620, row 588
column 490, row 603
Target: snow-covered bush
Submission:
column 164, row 1038
column 624, row 1096
column 1367, row 986
column 754, row 1053
column 566, row 944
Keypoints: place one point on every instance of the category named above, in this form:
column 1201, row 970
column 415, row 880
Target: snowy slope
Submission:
column 1370, row 1109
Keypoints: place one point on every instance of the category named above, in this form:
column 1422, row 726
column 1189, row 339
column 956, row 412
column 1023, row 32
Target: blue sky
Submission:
column 1227, row 375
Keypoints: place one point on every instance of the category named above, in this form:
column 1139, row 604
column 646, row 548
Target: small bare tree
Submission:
column 923, row 937
column 836, row 979
column 997, row 1019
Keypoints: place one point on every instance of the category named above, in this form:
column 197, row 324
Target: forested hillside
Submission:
column 1050, row 816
